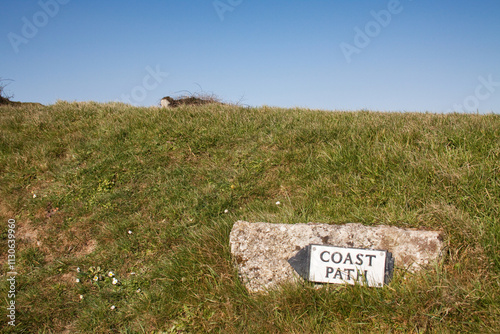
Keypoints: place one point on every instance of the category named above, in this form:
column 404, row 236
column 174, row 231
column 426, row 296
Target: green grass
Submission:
column 77, row 177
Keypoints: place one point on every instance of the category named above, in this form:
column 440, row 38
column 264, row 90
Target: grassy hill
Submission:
column 142, row 192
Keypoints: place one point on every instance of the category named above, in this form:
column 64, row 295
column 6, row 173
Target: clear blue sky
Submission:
column 405, row 55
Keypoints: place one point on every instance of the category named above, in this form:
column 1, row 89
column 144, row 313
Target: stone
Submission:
column 165, row 102
column 261, row 250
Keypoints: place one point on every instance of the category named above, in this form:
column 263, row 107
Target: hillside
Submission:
column 143, row 193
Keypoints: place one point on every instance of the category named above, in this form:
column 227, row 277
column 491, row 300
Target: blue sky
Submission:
column 404, row 55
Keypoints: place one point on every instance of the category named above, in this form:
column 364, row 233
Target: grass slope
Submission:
column 142, row 192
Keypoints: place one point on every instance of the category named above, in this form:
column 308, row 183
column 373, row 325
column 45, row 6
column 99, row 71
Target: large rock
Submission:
column 261, row 250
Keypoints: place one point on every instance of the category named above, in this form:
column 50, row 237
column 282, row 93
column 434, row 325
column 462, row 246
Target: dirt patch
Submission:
column 5, row 211
column 28, row 233
column 86, row 248
column 53, row 243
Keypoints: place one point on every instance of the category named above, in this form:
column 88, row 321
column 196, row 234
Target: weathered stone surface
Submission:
column 261, row 250
column 165, row 102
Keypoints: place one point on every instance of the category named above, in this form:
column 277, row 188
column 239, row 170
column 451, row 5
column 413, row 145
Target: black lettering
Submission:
column 338, row 273
column 321, row 256
column 360, row 259
column 333, row 257
column 362, row 276
column 329, row 270
column 349, row 273
column 348, row 257
column 370, row 257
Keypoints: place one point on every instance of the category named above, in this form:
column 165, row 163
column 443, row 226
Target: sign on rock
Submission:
column 331, row 264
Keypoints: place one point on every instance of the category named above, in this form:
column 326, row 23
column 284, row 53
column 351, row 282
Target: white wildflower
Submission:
column 226, row 211
column 81, row 297
column 77, row 280
column 114, row 281
column 278, row 203
column 129, row 232
column 111, row 274
column 113, row 307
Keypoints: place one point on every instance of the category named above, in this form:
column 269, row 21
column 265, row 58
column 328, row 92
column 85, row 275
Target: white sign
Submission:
column 330, row 264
